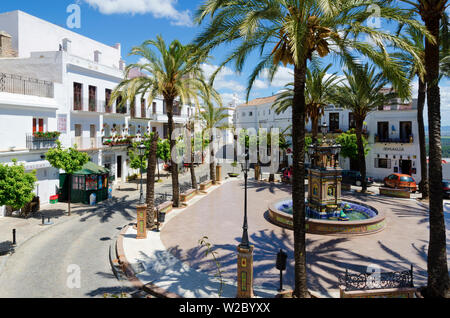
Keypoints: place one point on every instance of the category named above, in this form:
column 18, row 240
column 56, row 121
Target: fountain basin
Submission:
column 362, row 221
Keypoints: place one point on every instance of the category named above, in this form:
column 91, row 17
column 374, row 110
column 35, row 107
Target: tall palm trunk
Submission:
column 173, row 166
column 422, row 142
column 361, row 153
column 69, row 193
column 151, row 171
column 438, row 278
column 298, row 183
column 192, row 167
column 212, row 166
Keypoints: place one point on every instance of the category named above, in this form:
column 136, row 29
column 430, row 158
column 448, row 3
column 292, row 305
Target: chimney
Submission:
column 97, row 55
column 67, row 45
column 6, row 49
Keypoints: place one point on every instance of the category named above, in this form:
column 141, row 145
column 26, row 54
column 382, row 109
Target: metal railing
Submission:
column 401, row 140
column 17, row 84
column 38, row 143
column 87, row 143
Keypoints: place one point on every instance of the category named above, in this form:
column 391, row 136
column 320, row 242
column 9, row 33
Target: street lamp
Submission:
column 245, row 244
column 141, row 155
column 324, row 130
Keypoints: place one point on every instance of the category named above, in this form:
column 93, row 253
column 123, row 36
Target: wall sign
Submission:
column 393, row 149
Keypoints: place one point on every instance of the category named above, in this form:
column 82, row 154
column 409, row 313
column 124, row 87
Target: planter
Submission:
column 233, row 175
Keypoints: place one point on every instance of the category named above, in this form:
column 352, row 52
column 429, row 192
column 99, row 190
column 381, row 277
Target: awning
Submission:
column 91, row 168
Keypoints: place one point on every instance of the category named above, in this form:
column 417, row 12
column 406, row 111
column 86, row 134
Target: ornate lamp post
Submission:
column 141, row 224
column 244, row 249
column 245, row 168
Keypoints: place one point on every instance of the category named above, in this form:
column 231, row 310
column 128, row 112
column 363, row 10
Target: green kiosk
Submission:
column 91, row 179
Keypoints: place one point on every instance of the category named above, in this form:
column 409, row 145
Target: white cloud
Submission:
column 158, row 8
column 223, row 80
column 283, row 76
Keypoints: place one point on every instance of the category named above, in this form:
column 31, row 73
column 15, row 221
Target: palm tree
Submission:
column 293, row 32
column 318, row 91
column 173, row 72
column 417, row 40
column 212, row 118
column 362, row 95
column 431, row 12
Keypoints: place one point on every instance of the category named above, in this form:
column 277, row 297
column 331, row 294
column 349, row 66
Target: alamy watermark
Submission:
column 74, row 19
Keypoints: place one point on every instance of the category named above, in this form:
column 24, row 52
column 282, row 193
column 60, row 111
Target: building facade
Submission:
column 392, row 133
column 67, row 80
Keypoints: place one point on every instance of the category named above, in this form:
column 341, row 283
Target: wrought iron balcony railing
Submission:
column 401, row 140
column 40, row 143
column 17, row 84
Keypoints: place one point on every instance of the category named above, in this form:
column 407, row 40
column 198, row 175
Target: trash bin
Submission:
column 93, row 199
column 110, row 192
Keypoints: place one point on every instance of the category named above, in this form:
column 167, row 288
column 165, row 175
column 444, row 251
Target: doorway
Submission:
column 119, row 167
column 406, row 166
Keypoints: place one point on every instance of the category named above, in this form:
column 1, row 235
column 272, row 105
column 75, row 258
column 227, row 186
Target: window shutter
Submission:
column 34, row 125
column 376, row 162
column 41, row 125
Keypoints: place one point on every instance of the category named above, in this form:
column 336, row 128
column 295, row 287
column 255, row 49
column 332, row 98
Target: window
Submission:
column 108, row 93
column 77, row 130
column 383, row 163
column 77, row 96
column 92, row 98
column 243, row 114
column 121, row 109
column 38, row 125
column 250, row 114
column 154, row 107
column 334, row 122
column 406, row 179
column 405, row 131
column 383, row 131
column 351, row 121
column 93, row 131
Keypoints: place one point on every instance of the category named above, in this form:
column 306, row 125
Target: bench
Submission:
column 385, row 285
column 165, row 207
column 395, row 193
column 188, row 195
column 206, row 185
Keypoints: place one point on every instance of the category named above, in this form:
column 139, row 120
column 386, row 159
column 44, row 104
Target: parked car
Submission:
column 446, row 188
column 400, row 181
column 354, row 178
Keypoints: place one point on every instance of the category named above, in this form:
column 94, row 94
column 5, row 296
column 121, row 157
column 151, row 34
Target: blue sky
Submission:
column 130, row 22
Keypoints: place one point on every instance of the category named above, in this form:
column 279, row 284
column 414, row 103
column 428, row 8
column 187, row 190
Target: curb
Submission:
column 129, row 273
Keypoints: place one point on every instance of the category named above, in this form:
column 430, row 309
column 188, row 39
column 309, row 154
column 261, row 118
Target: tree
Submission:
column 16, row 186
column 294, row 32
column 70, row 160
column 151, row 144
column 137, row 161
column 163, row 152
column 349, row 143
column 212, row 118
column 431, row 12
column 175, row 73
column 319, row 87
column 363, row 94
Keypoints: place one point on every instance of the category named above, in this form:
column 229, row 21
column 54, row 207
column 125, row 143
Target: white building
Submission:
column 73, row 77
column 392, row 133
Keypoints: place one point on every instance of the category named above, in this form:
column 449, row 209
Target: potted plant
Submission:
column 234, row 174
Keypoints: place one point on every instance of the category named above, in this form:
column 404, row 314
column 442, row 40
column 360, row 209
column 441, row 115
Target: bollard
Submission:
column 43, row 219
column 14, row 236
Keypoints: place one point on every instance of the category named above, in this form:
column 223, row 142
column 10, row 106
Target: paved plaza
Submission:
column 219, row 216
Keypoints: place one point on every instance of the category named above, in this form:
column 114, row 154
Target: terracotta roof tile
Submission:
column 260, row 101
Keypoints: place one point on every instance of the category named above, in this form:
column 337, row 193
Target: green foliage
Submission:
column 16, row 186
column 70, row 160
column 163, row 150
column 136, row 160
column 48, row 135
column 349, row 144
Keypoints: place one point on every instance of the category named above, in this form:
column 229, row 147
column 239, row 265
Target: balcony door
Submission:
column 93, row 135
column 78, row 134
column 77, row 96
column 108, row 93
column 92, row 98
column 383, row 131
column 405, row 130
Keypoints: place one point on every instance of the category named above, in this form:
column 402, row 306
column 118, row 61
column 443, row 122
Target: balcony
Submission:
column 17, row 84
column 41, row 141
column 401, row 140
column 87, row 143
column 87, row 105
column 118, row 141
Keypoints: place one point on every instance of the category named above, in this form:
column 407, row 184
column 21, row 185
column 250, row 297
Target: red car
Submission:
column 400, row 181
